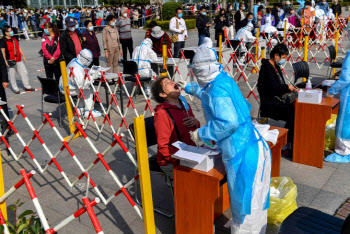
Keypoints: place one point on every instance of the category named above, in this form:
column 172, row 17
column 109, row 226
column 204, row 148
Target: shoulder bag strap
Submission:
column 172, row 120
column 15, row 48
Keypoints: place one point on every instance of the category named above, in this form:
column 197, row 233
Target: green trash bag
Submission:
column 283, row 199
column 329, row 141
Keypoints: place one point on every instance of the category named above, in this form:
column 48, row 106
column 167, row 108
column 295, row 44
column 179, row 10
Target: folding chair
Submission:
column 307, row 220
column 301, row 70
column 153, row 164
column 332, row 55
column 51, row 89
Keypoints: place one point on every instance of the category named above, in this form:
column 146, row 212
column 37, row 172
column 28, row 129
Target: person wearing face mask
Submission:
column 124, row 28
column 220, row 22
column 271, row 88
column 2, row 22
column 239, row 17
column 51, row 50
column 82, row 19
column 323, row 6
column 245, row 154
column 336, row 7
column 229, row 21
column 275, row 12
column 202, row 24
column 71, row 40
column 309, row 15
column 91, row 43
column 14, row 59
column 178, row 27
column 79, row 65
column 112, row 44
column 14, row 22
column 255, row 10
column 159, row 37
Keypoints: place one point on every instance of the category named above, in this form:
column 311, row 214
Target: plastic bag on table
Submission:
column 329, row 141
column 283, row 195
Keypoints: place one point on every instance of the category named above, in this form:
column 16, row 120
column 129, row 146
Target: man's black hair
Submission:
column 5, row 29
column 203, row 8
column 280, row 49
column 153, row 24
column 156, row 89
column 86, row 23
column 307, row 3
column 110, row 18
column 178, row 9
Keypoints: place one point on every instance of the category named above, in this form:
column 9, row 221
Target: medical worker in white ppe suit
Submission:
column 144, row 55
column 246, row 155
column 342, row 130
column 79, row 64
column 245, row 35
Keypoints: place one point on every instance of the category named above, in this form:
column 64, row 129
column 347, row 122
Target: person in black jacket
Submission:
column 229, row 21
column 336, row 7
column 202, row 24
column 219, row 26
column 272, row 86
column 37, row 17
column 239, row 17
column 4, row 84
column 71, row 41
column 274, row 12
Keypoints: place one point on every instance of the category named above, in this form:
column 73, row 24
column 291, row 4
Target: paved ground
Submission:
column 325, row 189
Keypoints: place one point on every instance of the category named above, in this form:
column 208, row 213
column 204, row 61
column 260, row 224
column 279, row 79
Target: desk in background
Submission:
column 156, row 66
column 310, row 129
column 201, row 197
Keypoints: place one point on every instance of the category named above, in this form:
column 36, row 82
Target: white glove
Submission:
column 182, row 84
column 195, row 138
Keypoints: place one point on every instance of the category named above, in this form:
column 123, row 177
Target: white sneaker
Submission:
column 94, row 113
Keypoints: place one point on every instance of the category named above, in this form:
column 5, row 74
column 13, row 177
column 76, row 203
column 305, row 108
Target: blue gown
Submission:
column 342, row 129
column 229, row 124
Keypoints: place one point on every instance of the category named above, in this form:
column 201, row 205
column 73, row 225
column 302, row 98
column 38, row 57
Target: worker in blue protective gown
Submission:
column 245, row 153
column 342, row 131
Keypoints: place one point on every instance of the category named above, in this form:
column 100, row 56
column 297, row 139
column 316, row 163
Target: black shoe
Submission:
column 288, row 152
column 31, row 89
column 16, row 92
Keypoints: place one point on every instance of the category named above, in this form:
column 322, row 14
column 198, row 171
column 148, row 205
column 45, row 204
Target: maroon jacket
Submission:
column 166, row 133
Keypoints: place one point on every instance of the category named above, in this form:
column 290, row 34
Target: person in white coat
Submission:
column 143, row 55
column 245, row 35
column 321, row 25
column 245, row 153
column 79, row 64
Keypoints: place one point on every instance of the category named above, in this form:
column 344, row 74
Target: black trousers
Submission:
column 177, row 46
column 95, row 61
column 127, row 44
column 15, row 31
column 53, row 70
column 3, row 98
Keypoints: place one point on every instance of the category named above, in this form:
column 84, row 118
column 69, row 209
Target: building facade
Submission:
column 64, row 3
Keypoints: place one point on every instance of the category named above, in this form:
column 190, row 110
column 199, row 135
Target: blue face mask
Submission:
column 12, row 13
column 204, row 13
column 11, row 34
column 249, row 20
column 244, row 8
column 46, row 31
column 77, row 26
column 282, row 62
column 268, row 14
column 113, row 24
column 179, row 15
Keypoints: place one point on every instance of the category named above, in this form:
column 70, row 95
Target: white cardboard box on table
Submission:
column 201, row 159
column 310, row 96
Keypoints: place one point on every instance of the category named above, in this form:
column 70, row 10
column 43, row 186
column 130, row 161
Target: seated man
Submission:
column 173, row 121
column 79, row 65
column 143, row 55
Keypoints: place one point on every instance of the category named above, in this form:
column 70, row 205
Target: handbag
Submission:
column 12, row 63
column 288, row 98
column 175, row 37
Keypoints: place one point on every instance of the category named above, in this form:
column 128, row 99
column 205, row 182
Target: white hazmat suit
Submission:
column 246, row 35
column 245, row 153
column 143, row 55
column 79, row 65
